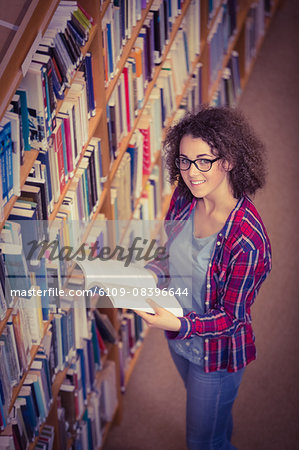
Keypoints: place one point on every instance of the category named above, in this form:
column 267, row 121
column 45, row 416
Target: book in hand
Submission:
column 127, row 287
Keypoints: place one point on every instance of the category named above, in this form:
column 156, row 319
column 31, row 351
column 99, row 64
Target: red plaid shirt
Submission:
column 240, row 262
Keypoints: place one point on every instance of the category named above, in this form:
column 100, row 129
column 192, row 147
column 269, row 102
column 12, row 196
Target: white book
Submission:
column 128, row 287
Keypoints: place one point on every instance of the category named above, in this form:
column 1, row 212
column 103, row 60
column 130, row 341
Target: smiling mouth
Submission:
column 196, row 183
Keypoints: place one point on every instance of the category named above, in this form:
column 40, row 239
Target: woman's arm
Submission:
column 231, row 311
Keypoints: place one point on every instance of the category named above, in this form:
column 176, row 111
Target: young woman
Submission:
column 219, row 255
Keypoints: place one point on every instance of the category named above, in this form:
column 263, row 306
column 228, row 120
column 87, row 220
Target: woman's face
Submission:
column 203, row 184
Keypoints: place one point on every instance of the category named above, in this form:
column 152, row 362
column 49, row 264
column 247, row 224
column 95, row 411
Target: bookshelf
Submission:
column 245, row 40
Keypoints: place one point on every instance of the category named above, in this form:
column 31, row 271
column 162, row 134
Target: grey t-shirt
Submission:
column 189, row 258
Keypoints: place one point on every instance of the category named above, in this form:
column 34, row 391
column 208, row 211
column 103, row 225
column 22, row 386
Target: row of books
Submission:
column 118, row 22
column 79, row 203
column 121, row 108
column 23, row 329
column 101, row 407
column 88, row 395
column 230, row 84
column 66, row 342
column 52, row 69
column 223, row 29
column 148, row 207
column 254, row 30
column 32, row 118
column 130, row 90
column 34, row 395
column 193, row 97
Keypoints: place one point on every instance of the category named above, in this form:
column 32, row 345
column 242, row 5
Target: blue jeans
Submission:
column 210, row 397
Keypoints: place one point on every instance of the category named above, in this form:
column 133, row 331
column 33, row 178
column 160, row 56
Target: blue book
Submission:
column 186, row 51
column 3, row 166
column 39, row 398
column 25, row 392
column 41, row 281
column 80, row 354
column 27, row 421
column 48, row 113
column 8, row 149
column 85, row 194
column 163, row 112
column 3, row 416
column 95, row 345
column 91, row 362
column 28, row 383
column 110, row 51
column 78, row 38
column 122, row 21
column 41, row 357
column 89, row 427
column 89, row 80
column 25, row 118
column 64, row 332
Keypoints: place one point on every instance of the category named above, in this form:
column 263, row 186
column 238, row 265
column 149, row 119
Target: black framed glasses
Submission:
column 202, row 164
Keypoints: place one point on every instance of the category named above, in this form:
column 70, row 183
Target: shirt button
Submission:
column 206, row 340
column 218, row 243
column 206, row 303
column 208, row 285
column 210, row 265
column 220, row 234
column 206, row 358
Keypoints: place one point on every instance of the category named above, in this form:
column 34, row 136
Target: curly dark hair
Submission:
column 229, row 136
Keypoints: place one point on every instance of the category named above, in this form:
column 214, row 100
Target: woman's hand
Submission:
column 162, row 318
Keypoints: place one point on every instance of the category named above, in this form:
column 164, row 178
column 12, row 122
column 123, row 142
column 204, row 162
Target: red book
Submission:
column 102, row 345
column 127, row 97
column 58, row 147
column 144, row 128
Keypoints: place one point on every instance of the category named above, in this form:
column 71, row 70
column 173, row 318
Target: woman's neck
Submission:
column 210, row 216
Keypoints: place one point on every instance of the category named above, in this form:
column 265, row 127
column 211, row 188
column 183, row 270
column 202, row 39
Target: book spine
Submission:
column 89, row 80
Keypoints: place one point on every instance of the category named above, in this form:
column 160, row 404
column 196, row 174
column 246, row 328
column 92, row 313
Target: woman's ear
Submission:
column 227, row 166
